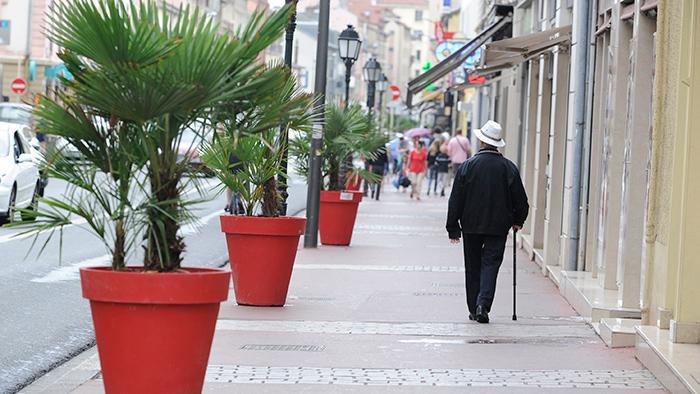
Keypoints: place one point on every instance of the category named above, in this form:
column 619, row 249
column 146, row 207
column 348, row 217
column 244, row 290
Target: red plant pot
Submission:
column 261, row 252
column 337, row 216
column 353, row 183
column 154, row 330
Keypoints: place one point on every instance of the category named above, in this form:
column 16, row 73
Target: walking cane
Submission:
column 515, row 316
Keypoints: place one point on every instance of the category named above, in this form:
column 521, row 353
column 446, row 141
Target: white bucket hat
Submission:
column 491, row 133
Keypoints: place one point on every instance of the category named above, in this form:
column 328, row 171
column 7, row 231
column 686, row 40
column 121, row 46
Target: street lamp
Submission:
column 372, row 72
column 349, row 44
column 382, row 85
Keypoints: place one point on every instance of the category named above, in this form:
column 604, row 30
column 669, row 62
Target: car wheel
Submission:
column 28, row 216
column 9, row 216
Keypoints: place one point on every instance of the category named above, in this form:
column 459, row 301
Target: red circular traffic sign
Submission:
column 395, row 92
column 18, row 86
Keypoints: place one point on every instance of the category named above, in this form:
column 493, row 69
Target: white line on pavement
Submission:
column 367, row 267
column 80, row 221
column 71, row 271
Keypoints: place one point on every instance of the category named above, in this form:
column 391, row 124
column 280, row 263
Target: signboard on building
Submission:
column 4, row 32
column 18, row 86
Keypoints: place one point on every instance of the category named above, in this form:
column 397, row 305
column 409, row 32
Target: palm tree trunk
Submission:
column 119, row 253
column 270, row 203
column 164, row 248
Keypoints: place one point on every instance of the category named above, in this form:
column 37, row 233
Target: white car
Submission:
column 19, row 175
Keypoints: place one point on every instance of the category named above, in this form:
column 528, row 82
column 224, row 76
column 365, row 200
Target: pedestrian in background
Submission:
column 433, row 153
column 442, row 162
column 377, row 166
column 417, row 167
column 459, row 150
column 487, row 200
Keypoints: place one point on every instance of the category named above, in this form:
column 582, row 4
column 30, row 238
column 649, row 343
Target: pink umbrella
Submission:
column 417, row 132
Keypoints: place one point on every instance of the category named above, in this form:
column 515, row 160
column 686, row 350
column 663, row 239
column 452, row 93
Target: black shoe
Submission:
column 472, row 317
column 442, row 193
column 481, row 315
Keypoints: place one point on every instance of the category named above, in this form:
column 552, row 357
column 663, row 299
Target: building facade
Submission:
column 602, row 128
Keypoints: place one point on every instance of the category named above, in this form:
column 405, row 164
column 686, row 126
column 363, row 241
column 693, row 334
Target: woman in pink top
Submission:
column 417, row 166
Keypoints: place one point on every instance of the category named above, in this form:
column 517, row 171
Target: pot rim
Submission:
column 284, row 226
column 198, row 286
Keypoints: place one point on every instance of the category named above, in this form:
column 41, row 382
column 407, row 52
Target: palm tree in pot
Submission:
column 141, row 77
column 247, row 159
column 347, row 133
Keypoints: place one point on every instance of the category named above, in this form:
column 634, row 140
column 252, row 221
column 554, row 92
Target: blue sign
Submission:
column 4, row 23
column 446, row 48
column 56, row 71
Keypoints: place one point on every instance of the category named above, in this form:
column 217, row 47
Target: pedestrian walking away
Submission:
column 459, row 150
column 377, row 166
column 433, row 152
column 487, row 200
column 442, row 162
column 417, row 167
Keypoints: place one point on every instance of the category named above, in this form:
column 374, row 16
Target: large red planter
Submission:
column 353, row 183
column 154, row 330
column 261, row 251
column 337, row 216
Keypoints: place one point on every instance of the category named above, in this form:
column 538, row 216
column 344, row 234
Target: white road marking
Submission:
column 72, row 271
column 79, row 221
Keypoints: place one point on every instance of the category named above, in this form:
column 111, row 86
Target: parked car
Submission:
column 16, row 113
column 68, row 150
column 21, row 114
column 19, row 175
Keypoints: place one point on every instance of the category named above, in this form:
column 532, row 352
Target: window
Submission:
column 18, row 148
column 418, row 55
column 419, row 15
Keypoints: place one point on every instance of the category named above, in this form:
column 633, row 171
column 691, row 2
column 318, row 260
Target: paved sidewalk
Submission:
column 388, row 315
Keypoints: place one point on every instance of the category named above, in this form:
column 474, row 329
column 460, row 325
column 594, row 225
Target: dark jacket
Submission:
column 487, row 196
column 379, row 161
column 443, row 162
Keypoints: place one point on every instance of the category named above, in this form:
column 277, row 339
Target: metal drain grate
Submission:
column 284, row 348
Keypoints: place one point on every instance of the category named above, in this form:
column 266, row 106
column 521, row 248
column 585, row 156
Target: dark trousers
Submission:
column 483, row 255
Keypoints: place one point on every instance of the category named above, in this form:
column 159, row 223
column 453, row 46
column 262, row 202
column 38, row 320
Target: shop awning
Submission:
column 510, row 52
column 453, row 61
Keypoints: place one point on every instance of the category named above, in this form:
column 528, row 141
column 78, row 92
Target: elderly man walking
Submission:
column 487, row 200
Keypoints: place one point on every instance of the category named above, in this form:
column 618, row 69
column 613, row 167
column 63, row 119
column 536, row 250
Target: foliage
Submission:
column 347, row 133
column 253, row 176
column 142, row 77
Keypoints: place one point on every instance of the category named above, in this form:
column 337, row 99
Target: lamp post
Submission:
column 288, row 46
column 313, row 197
column 382, row 85
column 349, row 44
column 372, row 72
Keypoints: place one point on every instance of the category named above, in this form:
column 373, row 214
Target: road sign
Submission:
column 18, row 86
column 395, row 92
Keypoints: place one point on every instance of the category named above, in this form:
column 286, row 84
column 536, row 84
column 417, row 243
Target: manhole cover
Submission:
column 285, row 348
